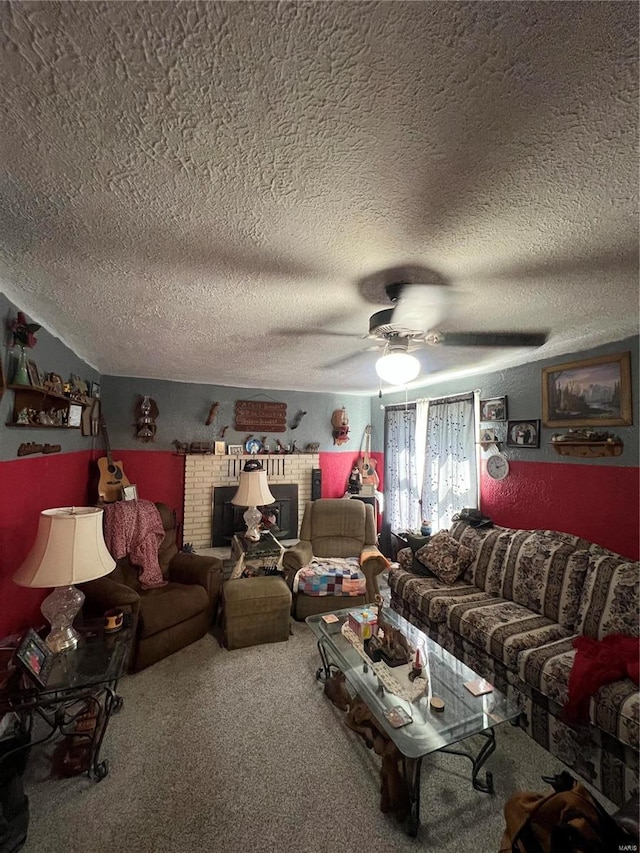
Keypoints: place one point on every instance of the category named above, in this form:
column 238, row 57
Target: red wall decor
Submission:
column 597, row 502
column 27, row 486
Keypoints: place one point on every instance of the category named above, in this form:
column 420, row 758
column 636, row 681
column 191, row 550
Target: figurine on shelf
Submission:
column 23, row 417
column 355, row 481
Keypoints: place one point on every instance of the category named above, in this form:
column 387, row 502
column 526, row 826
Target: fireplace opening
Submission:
column 227, row 518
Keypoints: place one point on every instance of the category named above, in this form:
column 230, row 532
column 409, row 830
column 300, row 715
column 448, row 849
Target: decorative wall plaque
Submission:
column 260, row 416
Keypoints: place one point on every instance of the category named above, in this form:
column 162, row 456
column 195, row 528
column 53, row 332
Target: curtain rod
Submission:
column 399, row 407
column 455, row 398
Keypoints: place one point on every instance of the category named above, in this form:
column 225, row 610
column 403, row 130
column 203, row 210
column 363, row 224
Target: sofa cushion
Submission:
column 502, row 628
column 610, row 598
column 544, row 571
column 489, row 547
column 429, row 596
column 163, row 607
column 445, row 557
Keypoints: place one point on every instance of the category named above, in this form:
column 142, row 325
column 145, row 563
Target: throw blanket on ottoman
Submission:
column 134, row 529
column 335, row 576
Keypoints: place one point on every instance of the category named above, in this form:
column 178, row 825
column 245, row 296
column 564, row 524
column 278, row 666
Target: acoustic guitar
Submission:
column 367, row 465
column 112, row 477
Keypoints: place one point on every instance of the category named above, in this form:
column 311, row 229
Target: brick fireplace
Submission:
column 205, row 473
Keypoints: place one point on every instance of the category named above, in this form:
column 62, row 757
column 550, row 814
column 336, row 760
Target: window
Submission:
column 430, row 462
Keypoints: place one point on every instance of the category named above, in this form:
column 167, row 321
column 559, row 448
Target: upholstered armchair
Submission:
column 334, row 528
column 167, row 617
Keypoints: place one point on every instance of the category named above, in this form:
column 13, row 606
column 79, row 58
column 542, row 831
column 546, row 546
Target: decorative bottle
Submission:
column 21, row 375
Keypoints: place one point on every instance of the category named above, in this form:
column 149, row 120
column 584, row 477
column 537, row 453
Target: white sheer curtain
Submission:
column 450, row 470
column 402, row 510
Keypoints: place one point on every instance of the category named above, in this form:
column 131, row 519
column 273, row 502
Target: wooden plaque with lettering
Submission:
column 260, row 416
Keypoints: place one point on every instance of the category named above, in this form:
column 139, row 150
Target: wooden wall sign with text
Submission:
column 259, row 416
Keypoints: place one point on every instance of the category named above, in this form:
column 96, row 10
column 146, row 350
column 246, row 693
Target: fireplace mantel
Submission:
column 203, row 473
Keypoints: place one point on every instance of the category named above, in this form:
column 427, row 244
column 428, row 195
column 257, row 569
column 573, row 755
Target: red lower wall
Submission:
column 27, row 486
column 336, row 468
column 597, row 502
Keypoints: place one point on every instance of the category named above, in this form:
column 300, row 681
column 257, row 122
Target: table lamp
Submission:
column 69, row 549
column 253, row 491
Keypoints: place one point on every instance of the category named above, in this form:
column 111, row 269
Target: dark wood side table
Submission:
column 82, row 684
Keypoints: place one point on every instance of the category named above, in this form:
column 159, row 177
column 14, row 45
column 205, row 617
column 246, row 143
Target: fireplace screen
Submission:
column 280, row 517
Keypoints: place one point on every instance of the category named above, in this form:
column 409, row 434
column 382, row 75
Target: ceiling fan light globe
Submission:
column 397, row 368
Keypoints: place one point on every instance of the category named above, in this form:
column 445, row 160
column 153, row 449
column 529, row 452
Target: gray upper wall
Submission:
column 523, row 387
column 184, row 407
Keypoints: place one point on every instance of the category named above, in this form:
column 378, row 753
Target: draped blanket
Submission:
column 134, row 529
column 331, row 576
column 598, row 662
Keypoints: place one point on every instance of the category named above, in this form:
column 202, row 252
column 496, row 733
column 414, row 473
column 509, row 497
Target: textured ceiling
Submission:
column 189, row 190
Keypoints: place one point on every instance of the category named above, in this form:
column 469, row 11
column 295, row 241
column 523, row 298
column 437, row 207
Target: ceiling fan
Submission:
column 412, row 323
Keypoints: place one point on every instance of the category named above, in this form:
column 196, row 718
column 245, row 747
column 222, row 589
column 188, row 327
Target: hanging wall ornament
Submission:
column 146, row 414
column 340, row 424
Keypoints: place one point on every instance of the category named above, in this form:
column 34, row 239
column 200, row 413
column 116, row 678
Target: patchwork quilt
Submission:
column 335, row 576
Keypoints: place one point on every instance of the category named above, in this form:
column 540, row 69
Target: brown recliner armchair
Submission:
column 335, row 528
column 169, row 617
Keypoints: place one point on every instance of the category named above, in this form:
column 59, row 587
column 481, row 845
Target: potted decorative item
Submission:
column 22, row 335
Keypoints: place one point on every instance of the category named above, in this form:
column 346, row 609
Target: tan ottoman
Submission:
column 256, row 610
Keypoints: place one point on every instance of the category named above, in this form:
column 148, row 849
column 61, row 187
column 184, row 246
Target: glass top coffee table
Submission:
column 382, row 688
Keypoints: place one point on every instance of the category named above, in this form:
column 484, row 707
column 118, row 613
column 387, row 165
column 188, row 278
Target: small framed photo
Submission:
column 75, row 416
column 35, row 656
column 95, row 390
column 235, row 450
column 34, row 375
column 54, row 381
column 219, row 448
column 493, row 409
column 130, row 493
column 487, row 435
column 523, row 433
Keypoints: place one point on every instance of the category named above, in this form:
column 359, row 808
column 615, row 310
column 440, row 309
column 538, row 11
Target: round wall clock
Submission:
column 497, row 466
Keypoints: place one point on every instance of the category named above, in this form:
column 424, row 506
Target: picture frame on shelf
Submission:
column 524, row 433
column 130, row 492
column 591, row 392
column 493, row 409
column 219, row 448
column 34, row 373
column 74, row 418
column 235, row 450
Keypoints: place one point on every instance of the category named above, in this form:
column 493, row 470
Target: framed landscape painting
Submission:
column 593, row 392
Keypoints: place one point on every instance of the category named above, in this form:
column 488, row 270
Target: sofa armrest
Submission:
column 198, row 569
column 372, row 563
column 106, row 594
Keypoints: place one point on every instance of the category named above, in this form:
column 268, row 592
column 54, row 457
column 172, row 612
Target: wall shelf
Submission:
column 40, row 400
column 588, row 449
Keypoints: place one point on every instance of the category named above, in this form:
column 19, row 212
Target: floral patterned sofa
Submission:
column 512, row 616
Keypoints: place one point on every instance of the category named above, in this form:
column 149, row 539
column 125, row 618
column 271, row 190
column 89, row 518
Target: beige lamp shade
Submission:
column 253, row 490
column 69, row 549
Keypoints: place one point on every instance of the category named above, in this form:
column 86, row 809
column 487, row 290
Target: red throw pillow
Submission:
column 445, row 557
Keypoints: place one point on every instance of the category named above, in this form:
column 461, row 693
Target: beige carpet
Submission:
column 240, row 751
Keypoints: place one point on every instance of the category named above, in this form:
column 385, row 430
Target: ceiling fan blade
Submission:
column 421, row 306
column 324, row 333
column 493, row 339
column 345, row 359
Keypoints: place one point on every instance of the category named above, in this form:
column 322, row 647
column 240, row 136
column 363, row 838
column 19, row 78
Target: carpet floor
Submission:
column 241, row 751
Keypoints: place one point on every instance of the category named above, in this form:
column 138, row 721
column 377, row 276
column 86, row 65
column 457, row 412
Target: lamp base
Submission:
column 252, row 518
column 60, row 608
